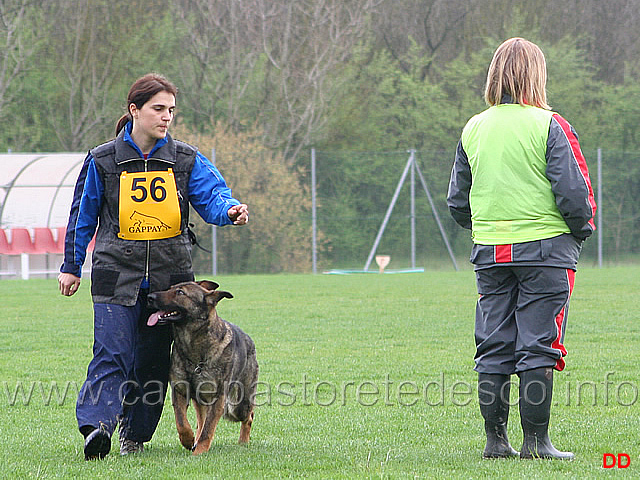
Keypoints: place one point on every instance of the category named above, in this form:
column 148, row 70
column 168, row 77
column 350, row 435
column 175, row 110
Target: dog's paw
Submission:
column 198, row 449
column 188, row 443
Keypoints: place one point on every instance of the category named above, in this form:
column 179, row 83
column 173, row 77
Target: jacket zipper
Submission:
column 146, row 263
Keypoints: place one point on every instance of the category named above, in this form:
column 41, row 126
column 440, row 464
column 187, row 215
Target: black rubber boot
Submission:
column 536, row 391
column 493, row 396
column 97, row 442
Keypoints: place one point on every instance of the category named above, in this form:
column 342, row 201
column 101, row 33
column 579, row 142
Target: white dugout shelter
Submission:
column 36, row 190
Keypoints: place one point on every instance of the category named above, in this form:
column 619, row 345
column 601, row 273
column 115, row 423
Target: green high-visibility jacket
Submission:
column 520, row 176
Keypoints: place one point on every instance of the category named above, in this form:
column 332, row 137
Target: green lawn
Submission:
column 362, row 376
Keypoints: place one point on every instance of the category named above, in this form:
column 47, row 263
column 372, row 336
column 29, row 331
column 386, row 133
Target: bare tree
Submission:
column 274, row 55
column 220, row 46
column 434, row 26
column 84, row 75
column 306, row 43
column 613, row 37
column 18, row 41
column 100, row 48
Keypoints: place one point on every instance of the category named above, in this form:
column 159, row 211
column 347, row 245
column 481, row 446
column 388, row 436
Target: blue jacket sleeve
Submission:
column 459, row 188
column 569, row 177
column 208, row 192
column 83, row 218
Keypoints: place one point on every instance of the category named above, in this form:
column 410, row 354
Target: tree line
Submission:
column 265, row 80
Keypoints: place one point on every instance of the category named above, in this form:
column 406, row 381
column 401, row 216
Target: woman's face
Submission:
column 152, row 120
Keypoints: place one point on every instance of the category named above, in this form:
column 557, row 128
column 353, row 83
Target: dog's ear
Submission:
column 214, row 297
column 208, row 284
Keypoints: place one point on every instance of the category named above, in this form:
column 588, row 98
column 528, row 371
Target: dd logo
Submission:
column 609, row 460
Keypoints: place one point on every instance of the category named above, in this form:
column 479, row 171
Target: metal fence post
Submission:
column 412, row 186
column 599, row 227
column 314, row 253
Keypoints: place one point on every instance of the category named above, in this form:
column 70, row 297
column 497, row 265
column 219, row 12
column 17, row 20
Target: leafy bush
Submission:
column 278, row 235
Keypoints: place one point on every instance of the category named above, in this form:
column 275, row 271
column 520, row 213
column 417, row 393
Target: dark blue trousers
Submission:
column 128, row 375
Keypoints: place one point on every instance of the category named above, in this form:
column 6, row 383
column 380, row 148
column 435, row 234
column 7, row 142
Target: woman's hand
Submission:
column 68, row 283
column 239, row 214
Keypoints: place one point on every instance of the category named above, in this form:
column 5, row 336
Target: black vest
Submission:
column 119, row 265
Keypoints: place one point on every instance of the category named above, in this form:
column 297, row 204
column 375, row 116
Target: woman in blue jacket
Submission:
column 136, row 190
column 521, row 184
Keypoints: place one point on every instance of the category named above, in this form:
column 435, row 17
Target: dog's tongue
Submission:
column 153, row 318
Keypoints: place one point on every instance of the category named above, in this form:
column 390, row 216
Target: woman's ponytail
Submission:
column 124, row 119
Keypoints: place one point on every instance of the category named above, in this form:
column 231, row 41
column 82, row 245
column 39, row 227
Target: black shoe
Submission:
column 536, row 390
column 97, row 444
column 129, row 446
column 493, row 396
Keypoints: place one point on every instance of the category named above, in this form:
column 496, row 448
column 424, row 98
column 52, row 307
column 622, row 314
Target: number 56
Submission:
column 156, row 190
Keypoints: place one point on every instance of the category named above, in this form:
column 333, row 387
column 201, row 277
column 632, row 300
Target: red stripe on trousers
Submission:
column 557, row 343
column 503, row 253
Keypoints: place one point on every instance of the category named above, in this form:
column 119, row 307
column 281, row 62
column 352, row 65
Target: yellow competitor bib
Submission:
column 149, row 207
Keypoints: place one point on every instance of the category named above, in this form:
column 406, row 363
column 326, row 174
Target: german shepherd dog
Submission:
column 213, row 362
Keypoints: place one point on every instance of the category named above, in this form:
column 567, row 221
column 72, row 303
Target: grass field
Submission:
column 362, row 376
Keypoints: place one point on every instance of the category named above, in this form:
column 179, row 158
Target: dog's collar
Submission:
column 195, row 367
column 199, row 367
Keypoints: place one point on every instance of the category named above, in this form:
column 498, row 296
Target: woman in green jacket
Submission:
column 521, row 184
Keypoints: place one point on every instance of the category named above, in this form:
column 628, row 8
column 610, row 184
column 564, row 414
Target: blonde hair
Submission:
column 518, row 69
